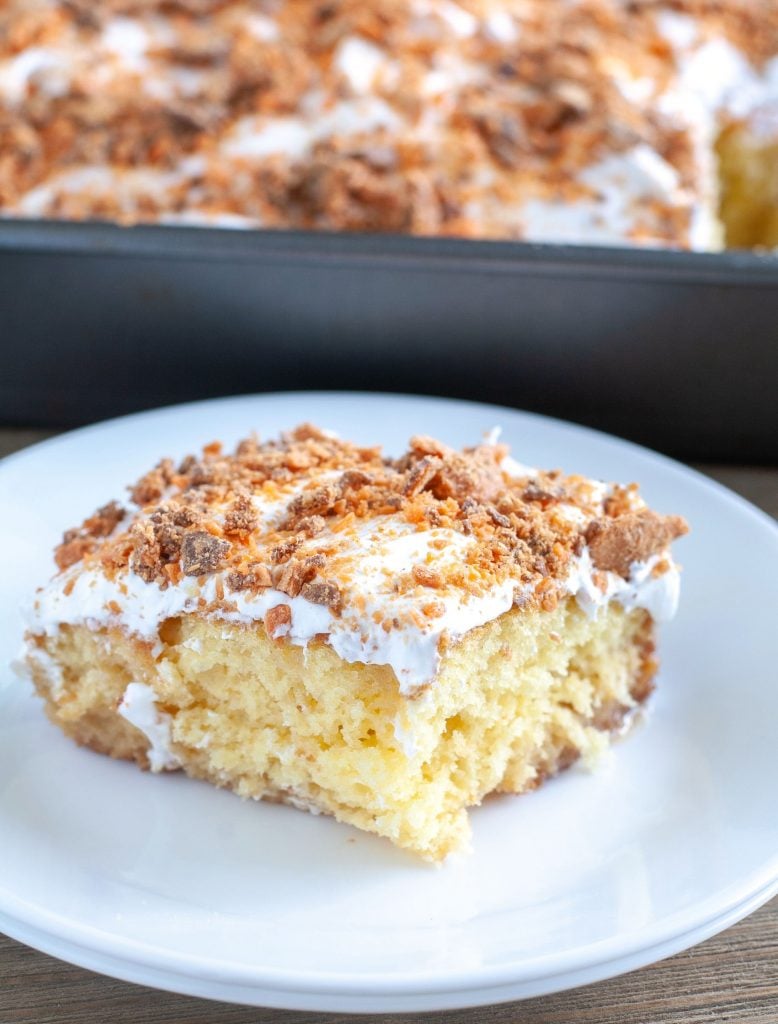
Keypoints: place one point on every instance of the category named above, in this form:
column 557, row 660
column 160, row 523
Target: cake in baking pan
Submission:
column 385, row 640
column 650, row 122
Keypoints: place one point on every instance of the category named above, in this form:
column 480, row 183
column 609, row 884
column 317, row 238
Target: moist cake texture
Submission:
column 590, row 121
column 387, row 640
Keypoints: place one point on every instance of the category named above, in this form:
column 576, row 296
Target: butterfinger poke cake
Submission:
column 385, row 640
column 638, row 122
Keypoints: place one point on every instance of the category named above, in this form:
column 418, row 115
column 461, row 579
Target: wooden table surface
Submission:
column 731, row 977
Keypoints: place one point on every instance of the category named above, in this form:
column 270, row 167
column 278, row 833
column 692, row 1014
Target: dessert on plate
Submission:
column 597, row 121
column 386, row 640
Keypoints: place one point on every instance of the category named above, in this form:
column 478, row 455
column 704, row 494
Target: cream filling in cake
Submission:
column 138, row 707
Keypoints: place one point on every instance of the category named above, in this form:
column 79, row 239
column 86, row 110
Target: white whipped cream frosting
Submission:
column 382, row 549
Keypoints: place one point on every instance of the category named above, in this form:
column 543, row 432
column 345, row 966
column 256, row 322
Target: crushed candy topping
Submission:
column 442, row 117
column 301, row 514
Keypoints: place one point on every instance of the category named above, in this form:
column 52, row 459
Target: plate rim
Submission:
column 404, row 1002
column 330, row 983
column 695, row 916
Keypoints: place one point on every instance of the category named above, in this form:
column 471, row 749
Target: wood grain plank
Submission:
column 732, row 977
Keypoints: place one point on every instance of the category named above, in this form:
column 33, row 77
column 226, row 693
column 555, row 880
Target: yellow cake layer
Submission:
column 514, row 701
column 748, row 171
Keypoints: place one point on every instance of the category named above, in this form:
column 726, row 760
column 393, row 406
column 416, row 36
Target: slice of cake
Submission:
column 383, row 640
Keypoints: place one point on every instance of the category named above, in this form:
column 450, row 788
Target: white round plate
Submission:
column 167, row 881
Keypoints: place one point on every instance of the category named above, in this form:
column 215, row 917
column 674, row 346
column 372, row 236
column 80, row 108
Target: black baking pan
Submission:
column 675, row 350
